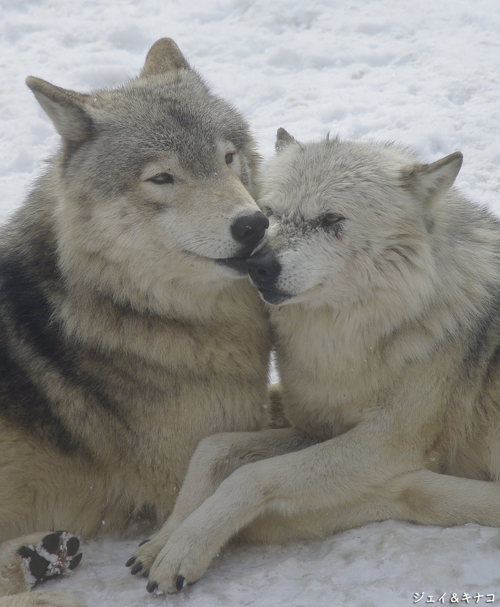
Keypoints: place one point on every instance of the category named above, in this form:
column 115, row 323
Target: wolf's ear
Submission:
column 164, row 56
column 431, row 181
column 283, row 139
column 65, row 108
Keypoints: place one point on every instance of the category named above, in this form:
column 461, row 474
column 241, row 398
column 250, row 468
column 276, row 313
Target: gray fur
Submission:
column 128, row 333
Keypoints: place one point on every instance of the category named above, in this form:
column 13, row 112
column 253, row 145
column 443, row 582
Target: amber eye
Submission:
column 230, row 157
column 331, row 219
column 162, row 179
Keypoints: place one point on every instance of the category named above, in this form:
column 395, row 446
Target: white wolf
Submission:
column 385, row 292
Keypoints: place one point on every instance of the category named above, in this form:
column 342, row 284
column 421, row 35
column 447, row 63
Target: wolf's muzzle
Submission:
column 263, row 268
column 249, row 230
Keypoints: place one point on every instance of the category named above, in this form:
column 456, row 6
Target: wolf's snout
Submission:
column 250, row 229
column 263, row 269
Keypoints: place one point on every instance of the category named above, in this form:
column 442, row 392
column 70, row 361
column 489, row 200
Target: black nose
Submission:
column 263, row 268
column 250, row 229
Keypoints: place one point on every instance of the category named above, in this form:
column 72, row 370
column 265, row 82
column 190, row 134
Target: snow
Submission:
column 426, row 74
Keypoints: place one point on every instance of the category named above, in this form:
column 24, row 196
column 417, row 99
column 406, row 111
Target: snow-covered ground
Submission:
column 423, row 73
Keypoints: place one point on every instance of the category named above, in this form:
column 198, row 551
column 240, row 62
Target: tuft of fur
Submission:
column 128, row 332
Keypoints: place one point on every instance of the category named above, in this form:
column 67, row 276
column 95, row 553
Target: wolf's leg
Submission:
column 40, row 599
column 32, row 559
column 215, row 458
column 429, row 498
column 422, row 497
column 333, row 477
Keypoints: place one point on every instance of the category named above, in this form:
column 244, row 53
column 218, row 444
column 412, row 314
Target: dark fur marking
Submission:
column 29, row 309
column 305, row 227
column 30, row 313
column 23, row 403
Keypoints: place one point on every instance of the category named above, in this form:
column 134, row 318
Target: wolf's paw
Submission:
column 143, row 558
column 180, row 563
column 54, row 555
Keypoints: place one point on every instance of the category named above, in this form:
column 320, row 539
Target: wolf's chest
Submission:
column 329, row 373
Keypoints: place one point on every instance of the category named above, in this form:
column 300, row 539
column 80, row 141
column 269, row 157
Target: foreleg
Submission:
column 214, row 460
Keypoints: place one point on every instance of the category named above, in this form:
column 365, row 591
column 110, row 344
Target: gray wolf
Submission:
column 384, row 292
column 130, row 330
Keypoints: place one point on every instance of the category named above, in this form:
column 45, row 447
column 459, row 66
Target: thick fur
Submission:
column 385, row 290
column 128, row 333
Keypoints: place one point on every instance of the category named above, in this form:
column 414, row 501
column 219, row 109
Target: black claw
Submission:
column 143, row 542
column 152, row 586
column 75, row 561
column 130, row 562
column 136, row 568
column 146, row 575
column 51, row 542
column 179, row 582
column 72, row 546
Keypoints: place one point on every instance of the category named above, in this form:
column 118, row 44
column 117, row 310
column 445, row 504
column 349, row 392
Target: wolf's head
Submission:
column 154, row 179
column 349, row 222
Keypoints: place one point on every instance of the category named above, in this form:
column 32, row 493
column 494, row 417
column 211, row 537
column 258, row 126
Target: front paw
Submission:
column 145, row 555
column 180, row 563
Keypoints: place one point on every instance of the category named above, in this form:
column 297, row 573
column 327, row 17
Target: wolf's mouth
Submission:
column 235, row 263
column 238, row 262
column 275, row 298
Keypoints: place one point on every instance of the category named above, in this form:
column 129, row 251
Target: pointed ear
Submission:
column 164, row 56
column 431, row 181
column 65, row 108
column 283, row 139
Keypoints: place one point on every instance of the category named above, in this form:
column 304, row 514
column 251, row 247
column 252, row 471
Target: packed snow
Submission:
column 425, row 74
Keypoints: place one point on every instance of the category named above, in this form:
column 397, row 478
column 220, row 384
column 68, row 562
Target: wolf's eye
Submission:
column 162, row 179
column 331, row 219
column 230, row 157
